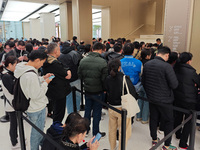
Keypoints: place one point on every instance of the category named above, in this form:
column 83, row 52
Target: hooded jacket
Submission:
column 59, row 87
column 70, row 59
column 33, row 86
column 113, row 55
column 187, row 78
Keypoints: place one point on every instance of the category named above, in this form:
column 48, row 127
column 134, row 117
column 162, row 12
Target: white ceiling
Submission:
column 18, row 9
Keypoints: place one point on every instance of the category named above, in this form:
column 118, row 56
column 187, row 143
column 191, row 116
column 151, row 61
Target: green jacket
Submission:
column 93, row 71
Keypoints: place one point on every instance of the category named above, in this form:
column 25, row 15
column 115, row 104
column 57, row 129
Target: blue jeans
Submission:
column 144, row 105
column 37, row 118
column 90, row 105
column 69, row 98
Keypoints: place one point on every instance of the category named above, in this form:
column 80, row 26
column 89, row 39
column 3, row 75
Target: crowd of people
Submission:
column 151, row 71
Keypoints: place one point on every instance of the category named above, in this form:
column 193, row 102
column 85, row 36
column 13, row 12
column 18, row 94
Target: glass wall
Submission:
column 96, row 23
column 10, row 29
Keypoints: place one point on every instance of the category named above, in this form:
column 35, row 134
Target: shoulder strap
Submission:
column 30, row 71
column 126, row 86
column 136, row 53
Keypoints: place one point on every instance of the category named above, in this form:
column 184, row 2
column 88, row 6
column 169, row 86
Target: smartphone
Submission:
column 97, row 137
column 51, row 77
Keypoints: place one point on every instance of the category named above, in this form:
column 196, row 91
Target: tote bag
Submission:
column 128, row 101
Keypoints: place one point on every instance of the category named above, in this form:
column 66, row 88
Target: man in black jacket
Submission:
column 159, row 80
column 59, row 88
column 70, row 59
column 117, row 54
column 185, row 95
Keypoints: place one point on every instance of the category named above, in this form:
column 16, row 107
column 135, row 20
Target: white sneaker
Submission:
column 17, row 146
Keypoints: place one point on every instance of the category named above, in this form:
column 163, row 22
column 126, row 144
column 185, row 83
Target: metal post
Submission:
column 123, row 129
column 21, row 129
column 82, row 107
column 193, row 130
column 74, row 98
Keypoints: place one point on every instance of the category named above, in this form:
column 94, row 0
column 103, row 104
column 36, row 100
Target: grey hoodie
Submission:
column 33, row 86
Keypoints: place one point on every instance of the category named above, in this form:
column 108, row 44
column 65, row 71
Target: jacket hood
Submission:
column 114, row 55
column 21, row 68
column 66, row 50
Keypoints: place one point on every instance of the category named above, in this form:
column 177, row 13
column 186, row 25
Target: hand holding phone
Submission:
column 51, row 77
column 97, row 137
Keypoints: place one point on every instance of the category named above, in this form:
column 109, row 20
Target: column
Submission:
column 35, row 29
column 178, row 24
column 82, row 19
column 47, row 23
column 66, row 21
column 160, row 13
column 105, row 26
column 26, row 30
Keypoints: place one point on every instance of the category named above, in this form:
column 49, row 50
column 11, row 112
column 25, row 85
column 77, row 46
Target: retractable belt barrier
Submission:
column 123, row 113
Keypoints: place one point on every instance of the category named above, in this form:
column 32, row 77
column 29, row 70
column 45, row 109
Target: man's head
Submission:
column 74, row 38
column 97, row 47
column 128, row 49
column 112, row 43
column 186, row 58
column 164, row 53
column 53, row 49
column 21, row 45
column 37, row 58
column 158, row 41
column 118, row 48
column 82, row 42
column 146, row 53
column 7, row 47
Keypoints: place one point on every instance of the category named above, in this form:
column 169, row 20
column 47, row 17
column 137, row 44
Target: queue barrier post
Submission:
column 74, row 98
column 193, row 130
column 123, row 129
column 21, row 129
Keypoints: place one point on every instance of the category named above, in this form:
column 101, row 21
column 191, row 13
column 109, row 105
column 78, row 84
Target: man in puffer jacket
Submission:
column 93, row 70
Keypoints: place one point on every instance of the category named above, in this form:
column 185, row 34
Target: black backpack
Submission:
column 20, row 102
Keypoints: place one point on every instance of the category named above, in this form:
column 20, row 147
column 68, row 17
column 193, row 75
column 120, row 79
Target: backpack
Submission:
column 20, row 102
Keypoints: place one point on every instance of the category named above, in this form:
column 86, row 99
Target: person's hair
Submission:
column 72, row 116
column 128, row 49
column 112, row 42
column 11, row 44
column 51, row 47
column 42, row 48
column 158, row 39
column 117, row 47
column 45, row 43
column 104, row 41
column 9, row 60
column 7, row 43
column 97, row 46
column 145, row 52
column 99, row 39
column 123, row 40
column 87, row 48
column 149, row 45
column 155, row 45
column 38, row 54
column 21, row 43
column 74, row 38
column 29, row 47
column 172, row 57
column 136, row 45
column 128, row 41
column 93, row 38
column 113, row 66
column 76, row 126
column 164, row 50
column 141, row 44
column 185, row 57
column 82, row 42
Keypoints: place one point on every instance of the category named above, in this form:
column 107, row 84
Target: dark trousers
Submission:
column 166, row 114
column 13, row 128
column 59, row 106
column 184, row 132
column 90, row 105
column 50, row 106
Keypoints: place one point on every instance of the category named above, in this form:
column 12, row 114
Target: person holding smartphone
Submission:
column 74, row 134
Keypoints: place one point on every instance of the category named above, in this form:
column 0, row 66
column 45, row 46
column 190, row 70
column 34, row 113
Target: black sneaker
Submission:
column 103, row 134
